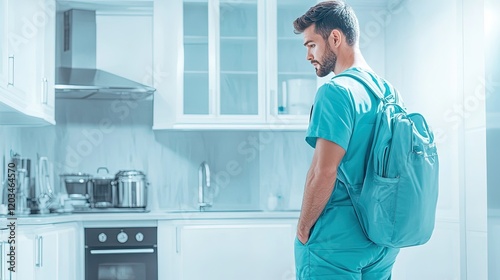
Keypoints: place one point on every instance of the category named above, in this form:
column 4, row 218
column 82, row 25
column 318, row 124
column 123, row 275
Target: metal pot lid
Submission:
column 130, row 173
column 76, row 177
column 103, row 180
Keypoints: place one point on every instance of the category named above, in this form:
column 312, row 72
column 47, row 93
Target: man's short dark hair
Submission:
column 329, row 15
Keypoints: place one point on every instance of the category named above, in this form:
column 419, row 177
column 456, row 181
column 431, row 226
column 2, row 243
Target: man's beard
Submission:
column 329, row 62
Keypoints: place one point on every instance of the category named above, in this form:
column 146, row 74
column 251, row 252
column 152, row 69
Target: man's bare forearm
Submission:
column 317, row 192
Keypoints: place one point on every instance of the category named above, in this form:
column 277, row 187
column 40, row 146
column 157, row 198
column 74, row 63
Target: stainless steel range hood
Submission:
column 78, row 78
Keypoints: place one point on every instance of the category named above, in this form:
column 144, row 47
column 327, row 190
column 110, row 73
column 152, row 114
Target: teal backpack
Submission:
column 396, row 204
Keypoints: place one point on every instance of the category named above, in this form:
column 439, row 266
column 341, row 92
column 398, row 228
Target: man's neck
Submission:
column 351, row 57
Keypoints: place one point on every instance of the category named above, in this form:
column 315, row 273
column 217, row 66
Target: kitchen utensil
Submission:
column 79, row 188
column 131, row 189
column 3, row 202
column 22, row 168
column 77, row 183
column 43, row 194
column 103, row 191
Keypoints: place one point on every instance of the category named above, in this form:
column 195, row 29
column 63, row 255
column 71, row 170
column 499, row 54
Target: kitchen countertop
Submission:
column 150, row 216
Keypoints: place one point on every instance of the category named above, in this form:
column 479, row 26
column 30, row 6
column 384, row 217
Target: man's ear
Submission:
column 335, row 38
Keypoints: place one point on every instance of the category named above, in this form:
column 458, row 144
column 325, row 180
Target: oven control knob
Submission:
column 122, row 237
column 102, row 237
column 139, row 237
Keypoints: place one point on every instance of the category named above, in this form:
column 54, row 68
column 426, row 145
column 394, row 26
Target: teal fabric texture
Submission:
column 397, row 202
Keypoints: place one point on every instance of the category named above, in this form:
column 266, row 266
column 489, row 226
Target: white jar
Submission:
column 272, row 202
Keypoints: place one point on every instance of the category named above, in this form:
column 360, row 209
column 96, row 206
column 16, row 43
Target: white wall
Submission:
column 423, row 61
column 428, row 61
column 492, row 80
column 492, row 28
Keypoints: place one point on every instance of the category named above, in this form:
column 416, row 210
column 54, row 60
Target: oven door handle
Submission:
column 122, row 251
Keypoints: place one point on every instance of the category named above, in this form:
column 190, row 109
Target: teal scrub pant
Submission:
column 338, row 249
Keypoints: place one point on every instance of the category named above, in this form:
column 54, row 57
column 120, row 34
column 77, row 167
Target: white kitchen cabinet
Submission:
column 37, row 253
column 4, row 57
column 217, row 70
column 47, row 252
column 70, row 260
column 44, row 103
column 4, row 251
column 27, row 63
column 227, row 249
column 213, row 64
column 15, row 46
column 28, row 253
column 46, row 255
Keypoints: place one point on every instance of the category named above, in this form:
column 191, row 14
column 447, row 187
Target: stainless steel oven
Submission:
column 121, row 253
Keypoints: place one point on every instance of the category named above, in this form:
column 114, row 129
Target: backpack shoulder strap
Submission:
column 373, row 88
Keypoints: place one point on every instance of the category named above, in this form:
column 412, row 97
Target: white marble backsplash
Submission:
column 246, row 166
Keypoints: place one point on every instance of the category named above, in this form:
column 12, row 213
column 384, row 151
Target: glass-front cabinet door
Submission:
column 292, row 81
column 223, row 77
column 239, row 57
column 196, row 97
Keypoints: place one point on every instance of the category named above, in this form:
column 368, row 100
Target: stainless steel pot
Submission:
column 104, row 191
column 131, row 189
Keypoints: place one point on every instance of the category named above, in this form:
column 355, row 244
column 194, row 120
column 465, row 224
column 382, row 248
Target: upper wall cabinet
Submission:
column 27, row 62
column 230, row 64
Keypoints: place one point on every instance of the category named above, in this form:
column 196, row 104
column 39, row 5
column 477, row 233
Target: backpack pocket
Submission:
column 381, row 198
column 377, row 206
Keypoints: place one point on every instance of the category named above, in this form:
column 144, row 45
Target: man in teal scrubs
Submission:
column 330, row 242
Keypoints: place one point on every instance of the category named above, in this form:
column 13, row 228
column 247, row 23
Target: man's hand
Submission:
column 303, row 237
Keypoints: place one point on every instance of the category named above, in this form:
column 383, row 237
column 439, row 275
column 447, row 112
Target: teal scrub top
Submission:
column 344, row 112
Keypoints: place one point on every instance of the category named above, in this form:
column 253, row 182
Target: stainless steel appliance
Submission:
column 121, row 253
column 125, row 192
column 78, row 77
column 103, row 190
column 22, row 170
column 79, row 189
column 131, row 189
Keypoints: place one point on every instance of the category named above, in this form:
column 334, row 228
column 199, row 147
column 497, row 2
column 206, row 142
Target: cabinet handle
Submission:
column 177, row 240
column 40, row 252
column 39, row 246
column 11, row 71
column 45, row 91
column 37, row 251
column 122, row 251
